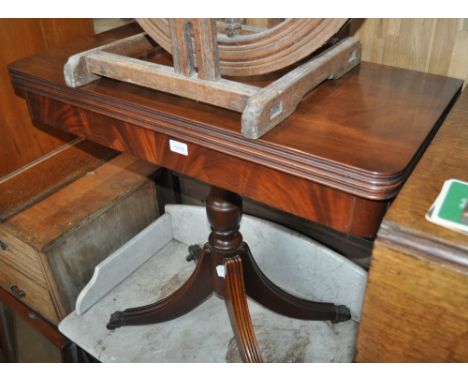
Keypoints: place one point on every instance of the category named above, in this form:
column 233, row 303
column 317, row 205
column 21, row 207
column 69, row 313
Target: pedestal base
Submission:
column 226, row 267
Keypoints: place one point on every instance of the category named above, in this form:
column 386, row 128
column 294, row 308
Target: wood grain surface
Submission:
column 66, row 209
column 415, row 307
column 438, row 46
column 235, row 298
column 45, row 328
column 446, row 158
column 21, row 142
column 386, row 97
column 73, row 256
column 414, row 311
column 51, row 247
column 301, row 197
column 22, row 256
column 266, row 50
column 277, row 101
column 28, row 184
column 35, row 296
column 343, row 142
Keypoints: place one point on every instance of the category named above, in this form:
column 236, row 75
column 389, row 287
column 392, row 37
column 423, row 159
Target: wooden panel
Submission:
column 35, row 296
column 7, row 338
column 292, row 194
column 21, row 256
column 224, row 93
column 415, row 307
column 414, row 311
column 47, row 173
column 181, row 36
column 438, row 46
column 45, row 328
column 46, row 221
column 31, row 346
column 446, row 158
column 72, row 258
column 288, row 193
column 58, row 240
column 21, row 142
column 103, row 25
column 263, row 23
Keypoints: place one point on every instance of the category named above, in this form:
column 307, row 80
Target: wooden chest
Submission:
column 49, row 249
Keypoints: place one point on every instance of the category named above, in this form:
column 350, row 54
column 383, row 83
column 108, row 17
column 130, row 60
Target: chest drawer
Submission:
column 27, row 291
column 51, row 247
column 21, row 256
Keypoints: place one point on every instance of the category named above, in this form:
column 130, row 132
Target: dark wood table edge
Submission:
column 424, row 247
column 357, row 182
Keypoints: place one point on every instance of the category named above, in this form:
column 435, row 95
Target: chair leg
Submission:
column 265, row 292
column 191, row 294
column 236, row 303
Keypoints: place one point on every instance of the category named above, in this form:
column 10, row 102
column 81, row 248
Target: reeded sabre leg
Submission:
column 192, row 293
column 236, row 303
column 265, row 292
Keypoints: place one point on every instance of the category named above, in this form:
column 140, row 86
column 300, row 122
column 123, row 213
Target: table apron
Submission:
column 311, row 200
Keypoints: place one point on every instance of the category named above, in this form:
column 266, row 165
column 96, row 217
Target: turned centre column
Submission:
column 224, row 211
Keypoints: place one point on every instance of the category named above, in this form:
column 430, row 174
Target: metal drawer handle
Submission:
column 17, row 291
column 3, row 245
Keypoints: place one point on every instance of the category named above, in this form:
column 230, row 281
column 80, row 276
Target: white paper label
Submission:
column 220, row 271
column 178, row 147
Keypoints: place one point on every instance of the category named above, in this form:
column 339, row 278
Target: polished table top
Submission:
column 415, row 306
column 405, row 225
column 338, row 160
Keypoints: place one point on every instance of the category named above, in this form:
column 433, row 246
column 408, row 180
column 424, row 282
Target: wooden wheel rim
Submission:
column 259, row 53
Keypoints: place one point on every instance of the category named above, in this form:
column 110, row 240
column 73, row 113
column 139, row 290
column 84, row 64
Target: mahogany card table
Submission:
column 339, row 161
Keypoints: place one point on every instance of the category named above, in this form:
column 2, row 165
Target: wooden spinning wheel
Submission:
column 259, row 51
column 202, row 53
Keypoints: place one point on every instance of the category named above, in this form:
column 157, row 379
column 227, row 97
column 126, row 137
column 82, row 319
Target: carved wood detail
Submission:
column 236, row 303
